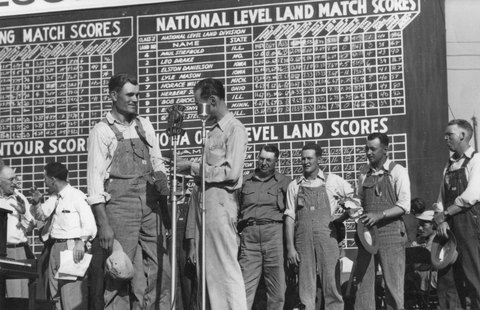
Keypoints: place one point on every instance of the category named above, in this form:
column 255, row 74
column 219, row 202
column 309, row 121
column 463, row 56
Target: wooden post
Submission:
column 475, row 141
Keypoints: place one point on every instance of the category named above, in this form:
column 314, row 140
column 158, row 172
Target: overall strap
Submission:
column 141, row 132
column 115, row 130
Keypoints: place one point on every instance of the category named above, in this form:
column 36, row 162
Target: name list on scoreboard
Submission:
column 324, row 71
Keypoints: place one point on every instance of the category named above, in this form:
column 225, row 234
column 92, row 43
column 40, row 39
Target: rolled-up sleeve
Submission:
column 471, row 195
column 231, row 168
column 401, row 183
column 97, row 164
column 292, row 192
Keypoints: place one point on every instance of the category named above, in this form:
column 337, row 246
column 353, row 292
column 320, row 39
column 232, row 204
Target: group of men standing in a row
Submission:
column 282, row 222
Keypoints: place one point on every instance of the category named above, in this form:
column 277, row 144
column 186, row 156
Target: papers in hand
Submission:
column 68, row 269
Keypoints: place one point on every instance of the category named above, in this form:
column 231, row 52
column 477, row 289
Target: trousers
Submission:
column 261, row 252
column 226, row 290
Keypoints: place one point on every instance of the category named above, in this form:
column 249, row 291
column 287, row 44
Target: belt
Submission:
column 253, row 221
column 62, row 240
column 19, row 245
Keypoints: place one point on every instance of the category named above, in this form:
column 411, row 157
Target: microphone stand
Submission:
column 175, row 120
column 174, row 225
column 204, row 211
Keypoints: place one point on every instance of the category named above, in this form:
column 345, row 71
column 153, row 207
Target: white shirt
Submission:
column 398, row 178
column 18, row 225
column 73, row 216
column 102, row 144
column 335, row 186
column 471, row 195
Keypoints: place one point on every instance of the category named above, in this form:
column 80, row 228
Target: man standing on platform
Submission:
column 384, row 189
column 19, row 223
column 311, row 236
column 262, row 203
column 224, row 156
column 458, row 209
column 126, row 183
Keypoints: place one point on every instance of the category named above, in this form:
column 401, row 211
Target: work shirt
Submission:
column 471, row 195
column 224, row 154
column 18, row 225
column 398, row 178
column 264, row 198
column 102, row 144
column 336, row 188
column 73, row 216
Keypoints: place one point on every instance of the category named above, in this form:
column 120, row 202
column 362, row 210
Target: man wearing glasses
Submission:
column 126, row 181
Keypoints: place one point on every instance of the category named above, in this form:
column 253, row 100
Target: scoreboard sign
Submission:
column 329, row 72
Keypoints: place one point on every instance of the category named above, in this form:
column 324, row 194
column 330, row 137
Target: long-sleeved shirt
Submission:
column 471, row 195
column 18, row 225
column 224, row 154
column 399, row 179
column 335, row 186
column 73, row 216
column 102, row 144
column 264, row 198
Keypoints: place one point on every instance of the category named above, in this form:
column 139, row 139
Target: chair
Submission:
column 418, row 258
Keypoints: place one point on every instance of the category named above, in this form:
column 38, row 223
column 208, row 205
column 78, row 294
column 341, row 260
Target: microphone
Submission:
column 175, row 120
column 203, row 110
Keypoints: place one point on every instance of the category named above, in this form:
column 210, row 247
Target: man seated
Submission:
column 426, row 233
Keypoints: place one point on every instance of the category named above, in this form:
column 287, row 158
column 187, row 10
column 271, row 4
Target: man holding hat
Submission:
column 309, row 231
column 127, row 184
column 458, row 209
column 384, row 188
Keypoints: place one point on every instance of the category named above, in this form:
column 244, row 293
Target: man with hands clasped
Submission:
column 69, row 226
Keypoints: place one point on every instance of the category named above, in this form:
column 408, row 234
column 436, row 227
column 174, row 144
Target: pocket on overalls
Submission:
column 300, row 202
column 475, row 212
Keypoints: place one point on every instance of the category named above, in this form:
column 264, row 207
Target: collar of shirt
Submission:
column 111, row 119
column 224, row 121
column 64, row 192
column 468, row 153
column 383, row 169
column 320, row 175
column 254, row 176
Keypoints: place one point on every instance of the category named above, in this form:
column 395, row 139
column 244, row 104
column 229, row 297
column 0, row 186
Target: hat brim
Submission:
column 368, row 237
column 449, row 247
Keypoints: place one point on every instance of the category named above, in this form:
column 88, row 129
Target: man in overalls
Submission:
column 125, row 180
column 384, row 189
column 309, row 231
column 458, row 209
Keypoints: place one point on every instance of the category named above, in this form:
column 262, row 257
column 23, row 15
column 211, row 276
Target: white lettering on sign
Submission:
column 359, row 127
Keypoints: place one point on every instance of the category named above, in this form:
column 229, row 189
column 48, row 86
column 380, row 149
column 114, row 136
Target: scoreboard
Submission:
column 329, row 72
